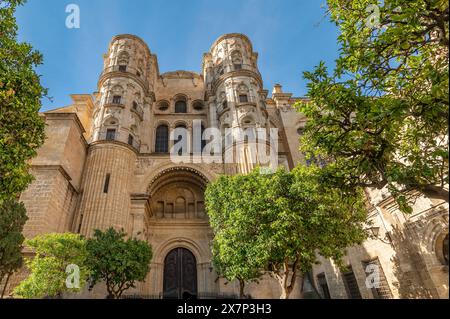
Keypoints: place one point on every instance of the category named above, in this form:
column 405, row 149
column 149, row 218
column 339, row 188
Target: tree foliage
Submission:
column 382, row 115
column 233, row 255
column 21, row 127
column 278, row 223
column 53, row 254
column 116, row 261
column 12, row 219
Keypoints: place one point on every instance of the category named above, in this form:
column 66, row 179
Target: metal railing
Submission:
column 114, row 102
column 119, row 137
column 200, row 295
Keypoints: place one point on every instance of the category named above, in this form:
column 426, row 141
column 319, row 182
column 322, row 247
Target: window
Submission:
column 106, row 185
column 180, row 107
column 382, row 291
column 122, row 68
column 163, row 106
column 162, row 139
column 351, row 285
column 198, row 106
column 130, row 139
column 117, row 99
column 243, row 98
column 237, row 66
column 322, row 281
column 110, row 134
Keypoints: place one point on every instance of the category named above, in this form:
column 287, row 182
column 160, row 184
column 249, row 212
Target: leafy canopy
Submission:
column 118, row 262
column 382, row 115
column 12, row 219
column 53, row 253
column 279, row 222
column 21, row 127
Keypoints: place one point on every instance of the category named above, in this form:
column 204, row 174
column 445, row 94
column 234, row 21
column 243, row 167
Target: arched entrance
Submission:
column 180, row 274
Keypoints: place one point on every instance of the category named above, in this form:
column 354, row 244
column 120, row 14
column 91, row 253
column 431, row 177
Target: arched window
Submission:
column 163, row 106
column 236, row 58
column 180, row 107
column 162, row 139
column 123, row 61
column 198, row 106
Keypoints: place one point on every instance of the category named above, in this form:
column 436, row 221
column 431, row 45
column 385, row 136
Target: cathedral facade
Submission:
column 106, row 163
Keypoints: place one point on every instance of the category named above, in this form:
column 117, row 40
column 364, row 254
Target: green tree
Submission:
column 232, row 257
column 12, row 219
column 51, row 268
column 21, row 127
column 279, row 223
column 382, row 115
column 116, row 261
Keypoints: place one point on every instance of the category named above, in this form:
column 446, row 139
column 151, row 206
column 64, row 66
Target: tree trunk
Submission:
column 286, row 292
column 241, row 289
column 6, row 285
column 287, row 286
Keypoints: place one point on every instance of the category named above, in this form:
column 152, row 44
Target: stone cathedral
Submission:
column 106, row 163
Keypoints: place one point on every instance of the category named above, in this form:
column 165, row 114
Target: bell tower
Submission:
column 122, row 106
column 236, row 98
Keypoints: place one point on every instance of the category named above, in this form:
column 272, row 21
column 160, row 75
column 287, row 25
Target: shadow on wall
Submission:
column 414, row 281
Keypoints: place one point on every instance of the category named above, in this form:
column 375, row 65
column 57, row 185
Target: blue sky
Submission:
column 291, row 36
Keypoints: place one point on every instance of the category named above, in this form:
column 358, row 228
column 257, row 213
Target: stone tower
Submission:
column 122, row 107
column 234, row 91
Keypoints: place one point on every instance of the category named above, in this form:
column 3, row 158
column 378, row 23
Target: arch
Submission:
column 247, row 120
column 183, row 242
column 180, row 96
column 203, row 177
column 180, row 123
column 163, row 105
column 110, row 120
column 433, row 234
column 441, row 248
column 236, row 59
column 117, row 89
column 198, row 105
column 123, row 58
